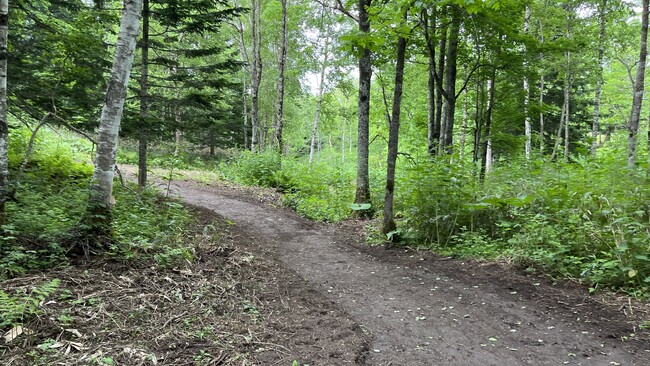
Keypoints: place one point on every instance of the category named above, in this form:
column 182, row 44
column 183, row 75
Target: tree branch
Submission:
column 466, row 81
column 339, row 7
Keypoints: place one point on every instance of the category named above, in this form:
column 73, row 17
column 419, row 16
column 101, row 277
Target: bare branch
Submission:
column 339, row 7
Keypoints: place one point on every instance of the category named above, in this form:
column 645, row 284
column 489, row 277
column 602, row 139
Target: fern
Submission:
column 16, row 309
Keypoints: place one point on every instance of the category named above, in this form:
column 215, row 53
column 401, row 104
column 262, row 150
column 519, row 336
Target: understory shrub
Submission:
column 587, row 220
column 259, row 169
column 321, row 191
column 438, row 200
column 50, row 200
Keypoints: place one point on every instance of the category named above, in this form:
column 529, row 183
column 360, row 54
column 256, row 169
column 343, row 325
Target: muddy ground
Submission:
column 270, row 288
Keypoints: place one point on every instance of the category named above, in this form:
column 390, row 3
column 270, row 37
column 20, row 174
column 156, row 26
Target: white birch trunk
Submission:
column 527, row 126
column 245, row 61
column 4, row 126
column 463, row 128
column 343, row 146
column 321, row 88
column 111, row 117
column 256, row 73
column 488, row 157
column 542, row 86
column 281, row 79
column 599, row 81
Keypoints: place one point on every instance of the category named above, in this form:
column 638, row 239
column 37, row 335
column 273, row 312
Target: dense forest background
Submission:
column 509, row 129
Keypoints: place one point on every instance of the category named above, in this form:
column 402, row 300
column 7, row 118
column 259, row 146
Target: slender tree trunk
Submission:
column 178, row 118
column 282, row 62
column 449, row 107
column 542, row 86
column 440, row 85
column 541, row 116
column 477, row 121
column 637, row 101
column 599, row 77
column 567, row 109
column 343, row 145
column 4, row 126
column 563, row 114
column 245, row 61
column 101, row 189
column 433, row 124
column 527, row 126
column 362, row 195
column 463, row 127
column 256, row 72
column 488, row 157
column 144, row 91
column 393, row 137
column 245, row 102
column 648, row 140
column 487, row 147
column 321, row 89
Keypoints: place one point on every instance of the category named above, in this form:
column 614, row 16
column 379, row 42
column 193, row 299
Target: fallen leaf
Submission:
column 15, row 332
column 75, row 332
column 57, row 345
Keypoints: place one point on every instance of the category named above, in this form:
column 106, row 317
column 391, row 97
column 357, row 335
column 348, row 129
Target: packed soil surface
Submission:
column 421, row 309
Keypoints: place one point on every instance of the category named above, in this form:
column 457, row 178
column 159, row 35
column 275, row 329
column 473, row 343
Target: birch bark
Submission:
column 4, row 127
column 101, row 189
column 282, row 63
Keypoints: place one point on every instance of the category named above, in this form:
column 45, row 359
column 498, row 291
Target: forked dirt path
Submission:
column 420, row 309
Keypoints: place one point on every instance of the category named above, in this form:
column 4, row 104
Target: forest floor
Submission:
column 275, row 288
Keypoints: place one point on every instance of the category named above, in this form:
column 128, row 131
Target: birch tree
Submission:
column 101, row 189
column 256, row 71
column 599, row 76
column 527, row 127
column 144, row 100
column 321, row 89
column 282, row 63
column 4, row 127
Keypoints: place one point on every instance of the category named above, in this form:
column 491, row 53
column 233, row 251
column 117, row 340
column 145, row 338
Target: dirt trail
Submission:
column 420, row 309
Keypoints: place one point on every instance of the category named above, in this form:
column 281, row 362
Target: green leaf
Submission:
column 360, row 206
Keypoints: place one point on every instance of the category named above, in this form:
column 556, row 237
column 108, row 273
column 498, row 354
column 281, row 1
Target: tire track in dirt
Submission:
column 416, row 314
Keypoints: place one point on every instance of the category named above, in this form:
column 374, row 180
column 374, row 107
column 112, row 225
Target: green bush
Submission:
column 587, row 220
column 259, row 169
column 437, row 200
column 321, row 191
column 50, row 200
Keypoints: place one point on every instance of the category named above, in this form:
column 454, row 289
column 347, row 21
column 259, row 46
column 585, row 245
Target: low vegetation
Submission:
column 578, row 220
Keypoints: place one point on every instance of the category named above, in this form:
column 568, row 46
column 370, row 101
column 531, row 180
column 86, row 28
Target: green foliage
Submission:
column 167, row 155
column 147, row 225
column 51, row 198
column 320, row 191
column 438, row 199
column 572, row 220
column 254, row 169
column 24, row 304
